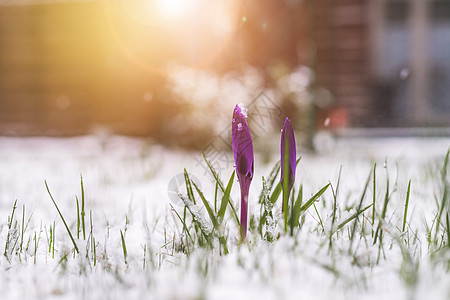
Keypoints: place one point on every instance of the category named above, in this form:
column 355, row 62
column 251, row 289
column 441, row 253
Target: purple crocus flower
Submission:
column 288, row 159
column 243, row 158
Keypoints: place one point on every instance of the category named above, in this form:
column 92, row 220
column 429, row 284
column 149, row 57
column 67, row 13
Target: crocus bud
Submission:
column 243, row 158
column 288, row 159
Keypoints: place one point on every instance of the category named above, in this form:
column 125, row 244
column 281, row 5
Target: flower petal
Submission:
column 242, row 144
column 288, row 139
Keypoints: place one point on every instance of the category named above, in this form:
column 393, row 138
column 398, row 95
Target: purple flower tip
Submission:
column 243, row 158
column 288, row 148
column 242, row 146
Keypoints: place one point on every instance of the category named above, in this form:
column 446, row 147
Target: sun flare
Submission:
column 173, row 8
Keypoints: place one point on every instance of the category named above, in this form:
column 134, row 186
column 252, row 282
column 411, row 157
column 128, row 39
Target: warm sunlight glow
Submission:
column 173, row 8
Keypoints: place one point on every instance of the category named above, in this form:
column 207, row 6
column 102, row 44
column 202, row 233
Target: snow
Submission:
column 127, row 179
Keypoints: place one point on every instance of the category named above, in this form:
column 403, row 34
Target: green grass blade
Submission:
column 444, row 201
column 271, row 180
column 207, row 206
column 23, row 227
column 276, row 193
column 189, row 191
column 406, row 206
column 374, row 195
column 297, row 207
column 448, row 228
column 386, row 200
column 222, row 188
column 182, row 222
column 225, row 198
column 223, row 242
column 216, row 189
column 124, row 246
column 383, row 212
column 311, row 201
column 78, row 217
column 12, row 214
column 359, row 209
column 355, row 215
column 335, row 193
column 440, row 211
column 64, row 221
column 318, row 215
column 444, row 167
column 198, row 219
column 10, row 219
column 83, row 212
column 291, row 213
column 54, row 239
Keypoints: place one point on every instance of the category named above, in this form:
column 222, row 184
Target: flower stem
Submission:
column 244, row 213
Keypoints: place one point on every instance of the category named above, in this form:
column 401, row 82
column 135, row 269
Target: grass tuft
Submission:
column 62, row 218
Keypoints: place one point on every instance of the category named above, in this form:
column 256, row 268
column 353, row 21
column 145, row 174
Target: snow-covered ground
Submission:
column 126, row 190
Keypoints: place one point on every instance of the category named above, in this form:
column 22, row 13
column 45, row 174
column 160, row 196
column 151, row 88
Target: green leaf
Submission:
column 62, row 218
column 311, row 201
column 225, row 198
column 297, row 207
column 271, row 180
column 182, row 222
column 124, row 246
column 216, row 176
column 83, row 212
column 359, row 209
column 215, row 196
column 189, row 187
column 198, row 219
column 356, row 214
column 276, row 193
column 207, row 206
column 406, row 206
column 448, row 228
column 383, row 212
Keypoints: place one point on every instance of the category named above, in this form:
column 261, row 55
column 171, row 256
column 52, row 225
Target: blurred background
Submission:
column 172, row 70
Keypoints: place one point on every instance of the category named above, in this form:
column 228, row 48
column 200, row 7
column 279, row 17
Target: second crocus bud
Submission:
column 288, row 164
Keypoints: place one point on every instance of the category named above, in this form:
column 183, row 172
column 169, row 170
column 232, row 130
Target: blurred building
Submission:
column 386, row 62
column 67, row 67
